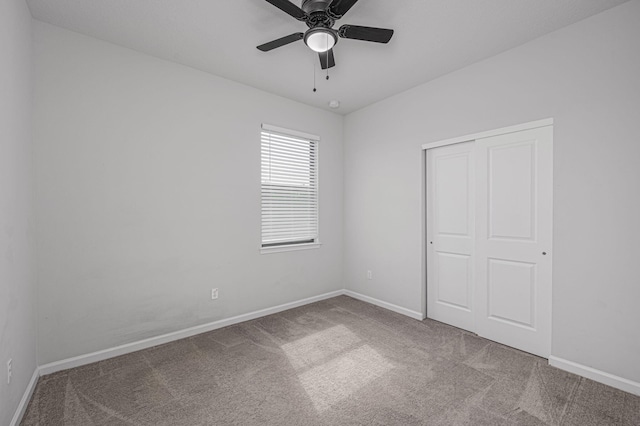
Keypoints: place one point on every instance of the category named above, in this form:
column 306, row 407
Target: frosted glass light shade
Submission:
column 319, row 40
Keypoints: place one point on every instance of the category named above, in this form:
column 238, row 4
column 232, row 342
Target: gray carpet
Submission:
column 335, row 362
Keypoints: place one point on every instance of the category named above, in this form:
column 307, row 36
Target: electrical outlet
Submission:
column 369, row 275
column 9, row 370
column 214, row 293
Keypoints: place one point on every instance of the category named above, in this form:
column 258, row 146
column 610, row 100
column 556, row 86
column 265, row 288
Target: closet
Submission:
column 489, row 235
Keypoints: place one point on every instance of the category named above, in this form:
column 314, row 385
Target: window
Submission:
column 289, row 189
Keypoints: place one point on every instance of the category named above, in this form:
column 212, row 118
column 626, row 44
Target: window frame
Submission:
column 293, row 246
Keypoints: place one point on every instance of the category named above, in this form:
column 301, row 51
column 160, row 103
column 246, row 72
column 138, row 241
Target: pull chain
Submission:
column 314, row 78
column 327, row 52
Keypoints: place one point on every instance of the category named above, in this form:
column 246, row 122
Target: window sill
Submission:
column 291, row 247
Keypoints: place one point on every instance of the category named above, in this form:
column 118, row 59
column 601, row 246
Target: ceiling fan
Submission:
column 320, row 17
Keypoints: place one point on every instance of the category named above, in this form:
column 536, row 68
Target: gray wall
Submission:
column 17, row 297
column 587, row 77
column 148, row 196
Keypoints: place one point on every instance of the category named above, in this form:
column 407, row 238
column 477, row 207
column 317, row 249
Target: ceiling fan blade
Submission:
column 355, row 32
column 281, row 42
column 339, row 7
column 326, row 59
column 290, row 8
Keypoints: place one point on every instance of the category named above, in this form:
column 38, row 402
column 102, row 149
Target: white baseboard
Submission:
column 386, row 305
column 26, row 397
column 596, row 375
column 176, row 335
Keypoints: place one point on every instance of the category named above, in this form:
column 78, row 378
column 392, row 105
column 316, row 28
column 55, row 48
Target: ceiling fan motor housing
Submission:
column 310, row 6
column 318, row 13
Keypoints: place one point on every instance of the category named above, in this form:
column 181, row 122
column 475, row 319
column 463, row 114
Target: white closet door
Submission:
column 450, row 235
column 514, row 234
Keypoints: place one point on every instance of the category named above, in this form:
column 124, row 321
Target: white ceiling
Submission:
column 432, row 38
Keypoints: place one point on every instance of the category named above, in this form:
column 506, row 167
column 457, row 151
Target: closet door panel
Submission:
column 513, row 244
column 450, row 235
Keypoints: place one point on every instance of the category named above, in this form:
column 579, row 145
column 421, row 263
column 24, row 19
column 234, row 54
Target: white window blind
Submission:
column 289, row 187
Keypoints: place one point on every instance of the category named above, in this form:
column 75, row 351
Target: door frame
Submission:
column 451, row 141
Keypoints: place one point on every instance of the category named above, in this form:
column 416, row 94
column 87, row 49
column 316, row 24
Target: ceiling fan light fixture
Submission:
column 320, row 39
